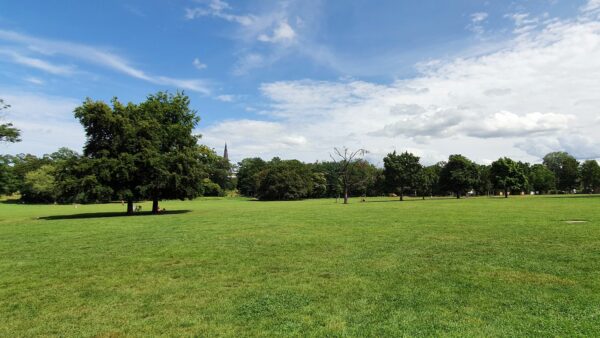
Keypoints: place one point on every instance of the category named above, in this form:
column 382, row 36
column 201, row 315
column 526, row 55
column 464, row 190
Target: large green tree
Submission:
column 247, row 175
column 542, row 179
column 590, row 176
column 8, row 181
column 8, row 133
column 507, row 175
column 145, row 151
column 218, row 170
column 483, row 185
column 458, row 175
column 285, row 180
column 428, row 180
column 40, row 185
column 565, row 168
column 401, row 171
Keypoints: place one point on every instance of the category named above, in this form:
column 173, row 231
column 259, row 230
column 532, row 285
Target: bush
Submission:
column 284, row 180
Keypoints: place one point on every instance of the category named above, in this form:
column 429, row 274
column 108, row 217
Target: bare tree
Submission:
column 347, row 160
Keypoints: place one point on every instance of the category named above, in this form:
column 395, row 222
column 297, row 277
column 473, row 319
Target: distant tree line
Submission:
column 403, row 174
column 148, row 151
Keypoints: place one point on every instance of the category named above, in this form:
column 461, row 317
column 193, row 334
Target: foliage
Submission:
column 39, row 185
column 247, row 175
column 285, row 180
column 458, row 175
column 542, row 179
column 401, row 171
column 9, row 183
column 590, row 176
column 507, row 175
column 483, row 185
column 565, row 168
column 428, row 180
column 218, row 170
column 146, row 151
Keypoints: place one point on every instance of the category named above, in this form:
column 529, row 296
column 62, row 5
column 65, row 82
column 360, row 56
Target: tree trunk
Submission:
column 155, row 205
column 505, row 193
column 402, row 194
column 345, row 195
column 129, row 207
column 458, row 195
column 423, row 197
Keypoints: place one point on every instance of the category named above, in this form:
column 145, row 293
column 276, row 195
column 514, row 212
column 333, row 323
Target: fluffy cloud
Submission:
column 198, row 64
column 272, row 26
column 476, row 22
column 42, row 120
column 283, row 32
column 538, row 87
column 247, row 137
column 505, row 124
column 591, row 6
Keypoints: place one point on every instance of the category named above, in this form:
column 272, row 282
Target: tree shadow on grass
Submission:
column 111, row 214
column 412, row 199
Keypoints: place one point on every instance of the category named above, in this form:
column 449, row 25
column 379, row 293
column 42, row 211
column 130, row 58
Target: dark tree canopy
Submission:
column 590, row 176
column 428, row 180
column 541, row 179
column 565, row 168
column 401, row 171
column 144, row 151
column 285, row 180
column 247, row 175
column 507, row 175
column 218, row 169
column 458, row 175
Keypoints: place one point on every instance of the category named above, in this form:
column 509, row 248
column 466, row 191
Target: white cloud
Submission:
column 479, row 17
column 591, row 6
column 524, row 23
column 46, row 122
column 283, row 33
column 97, row 56
column 219, row 9
column 264, row 138
column 37, row 63
column 249, row 62
column 476, row 25
column 581, row 147
column 198, row 64
column 272, row 26
column 543, row 85
column 34, row 80
column 225, row 98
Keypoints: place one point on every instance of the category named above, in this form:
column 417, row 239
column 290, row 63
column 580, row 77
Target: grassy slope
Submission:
column 234, row 267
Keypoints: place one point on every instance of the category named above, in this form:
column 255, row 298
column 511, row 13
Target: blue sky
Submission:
column 296, row 78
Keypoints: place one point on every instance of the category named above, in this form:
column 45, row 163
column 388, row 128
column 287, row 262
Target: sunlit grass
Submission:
column 233, row 267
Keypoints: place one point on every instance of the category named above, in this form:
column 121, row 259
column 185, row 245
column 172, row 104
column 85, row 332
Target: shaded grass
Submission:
column 227, row 267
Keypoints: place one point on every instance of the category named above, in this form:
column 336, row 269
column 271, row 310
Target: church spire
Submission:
column 225, row 154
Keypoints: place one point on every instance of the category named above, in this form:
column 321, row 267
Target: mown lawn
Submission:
column 233, row 267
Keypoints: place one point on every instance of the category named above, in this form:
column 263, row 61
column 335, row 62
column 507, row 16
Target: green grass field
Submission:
column 233, row 267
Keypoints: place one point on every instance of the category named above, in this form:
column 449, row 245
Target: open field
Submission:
column 233, row 267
